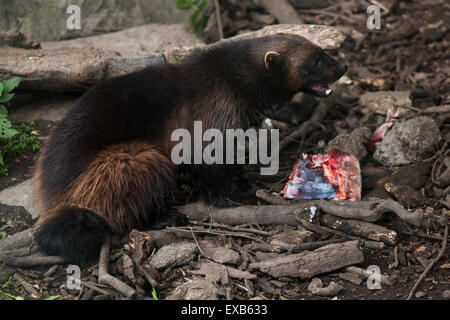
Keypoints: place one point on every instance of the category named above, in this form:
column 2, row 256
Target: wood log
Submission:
column 360, row 228
column 311, row 263
column 262, row 215
column 369, row 211
column 76, row 69
column 20, row 250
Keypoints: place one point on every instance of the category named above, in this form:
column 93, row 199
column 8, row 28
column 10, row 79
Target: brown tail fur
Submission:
column 126, row 184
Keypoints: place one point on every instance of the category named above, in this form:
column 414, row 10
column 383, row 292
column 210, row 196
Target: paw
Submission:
column 170, row 218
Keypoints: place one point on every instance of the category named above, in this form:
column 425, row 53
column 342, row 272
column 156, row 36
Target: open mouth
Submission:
column 320, row 90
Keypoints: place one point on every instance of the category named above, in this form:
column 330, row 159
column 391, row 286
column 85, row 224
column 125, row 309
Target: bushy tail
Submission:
column 76, row 234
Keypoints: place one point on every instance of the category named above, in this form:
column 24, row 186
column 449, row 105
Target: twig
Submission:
column 198, row 245
column 224, row 226
column 431, row 265
column 380, row 5
column 325, row 230
column 231, row 234
column 28, row 287
column 106, row 278
column 33, row 261
column 95, row 288
column 292, row 248
column 219, row 19
column 88, row 295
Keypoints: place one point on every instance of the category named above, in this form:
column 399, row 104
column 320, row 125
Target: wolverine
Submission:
column 106, row 167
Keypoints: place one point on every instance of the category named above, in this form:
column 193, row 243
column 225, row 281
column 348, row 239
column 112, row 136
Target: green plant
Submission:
column 52, row 298
column 155, row 294
column 198, row 18
column 15, row 139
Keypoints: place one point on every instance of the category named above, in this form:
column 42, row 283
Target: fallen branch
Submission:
column 140, row 246
column 35, row 260
column 28, row 287
column 20, row 250
column 361, row 229
column 431, row 265
column 311, row 263
column 249, row 215
column 105, row 278
column 369, row 211
column 296, row 248
column 207, row 231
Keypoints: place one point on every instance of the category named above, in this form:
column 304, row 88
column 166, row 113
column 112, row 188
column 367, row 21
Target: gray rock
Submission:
column 325, row 37
column 316, row 287
column 446, row 294
column 379, row 102
column 408, row 142
column 294, row 237
column 354, row 143
column 219, row 254
column 137, row 41
column 47, row 19
column 195, row 290
column 21, row 195
column 176, row 254
column 420, row 294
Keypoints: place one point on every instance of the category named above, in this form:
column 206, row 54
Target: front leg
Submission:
column 216, row 184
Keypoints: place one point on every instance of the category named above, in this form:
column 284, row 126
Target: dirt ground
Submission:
column 410, row 52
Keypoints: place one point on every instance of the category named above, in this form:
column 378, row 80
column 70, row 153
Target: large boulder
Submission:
column 45, row 20
column 135, row 42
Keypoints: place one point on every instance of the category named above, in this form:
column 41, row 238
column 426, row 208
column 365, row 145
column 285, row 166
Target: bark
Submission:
column 361, row 229
column 311, row 263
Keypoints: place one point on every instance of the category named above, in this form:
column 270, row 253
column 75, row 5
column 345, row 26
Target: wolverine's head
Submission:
column 300, row 65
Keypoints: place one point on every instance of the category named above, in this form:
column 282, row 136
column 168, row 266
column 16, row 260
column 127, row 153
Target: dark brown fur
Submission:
column 109, row 158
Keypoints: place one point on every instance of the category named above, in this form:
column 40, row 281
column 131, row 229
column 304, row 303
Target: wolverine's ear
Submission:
column 272, row 60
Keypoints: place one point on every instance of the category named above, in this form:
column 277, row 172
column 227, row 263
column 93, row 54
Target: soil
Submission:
column 411, row 51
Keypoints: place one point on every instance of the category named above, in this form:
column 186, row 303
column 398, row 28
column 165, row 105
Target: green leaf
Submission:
column 185, row 4
column 155, row 294
column 3, row 111
column 1, row 88
column 8, row 133
column 52, row 298
column 6, row 97
column 10, row 84
column 197, row 21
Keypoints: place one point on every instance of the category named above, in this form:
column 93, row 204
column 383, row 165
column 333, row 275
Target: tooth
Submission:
column 328, row 92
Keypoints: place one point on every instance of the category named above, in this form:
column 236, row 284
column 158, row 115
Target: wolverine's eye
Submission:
column 317, row 61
